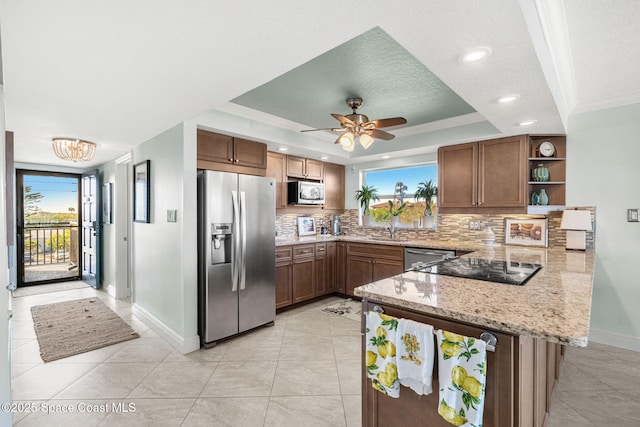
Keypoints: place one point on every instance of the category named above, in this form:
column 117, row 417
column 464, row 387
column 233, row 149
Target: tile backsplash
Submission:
column 450, row 227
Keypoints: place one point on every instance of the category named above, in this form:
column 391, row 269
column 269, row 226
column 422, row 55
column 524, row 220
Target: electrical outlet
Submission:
column 475, row 225
column 632, row 215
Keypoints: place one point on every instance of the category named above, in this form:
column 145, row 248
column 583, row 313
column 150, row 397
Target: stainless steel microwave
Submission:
column 305, row 193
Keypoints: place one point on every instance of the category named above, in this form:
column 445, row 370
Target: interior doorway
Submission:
column 47, row 225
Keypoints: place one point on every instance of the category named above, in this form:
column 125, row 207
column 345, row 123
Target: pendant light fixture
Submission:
column 73, row 149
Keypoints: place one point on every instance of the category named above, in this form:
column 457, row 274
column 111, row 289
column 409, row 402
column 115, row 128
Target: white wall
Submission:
column 164, row 257
column 603, row 170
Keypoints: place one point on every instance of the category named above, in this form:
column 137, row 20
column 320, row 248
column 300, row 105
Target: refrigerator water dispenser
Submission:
column 221, row 234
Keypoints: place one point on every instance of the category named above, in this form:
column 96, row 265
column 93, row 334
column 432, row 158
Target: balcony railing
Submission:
column 50, row 244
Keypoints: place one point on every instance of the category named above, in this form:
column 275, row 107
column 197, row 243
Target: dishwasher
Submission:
column 415, row 258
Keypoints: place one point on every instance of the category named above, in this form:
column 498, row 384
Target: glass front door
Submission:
column 47, row 226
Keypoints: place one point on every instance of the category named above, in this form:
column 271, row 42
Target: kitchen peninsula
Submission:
column 532, row 323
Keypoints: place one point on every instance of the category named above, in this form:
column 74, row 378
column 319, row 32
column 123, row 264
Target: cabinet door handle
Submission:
column 230, row 159
column 236, row 161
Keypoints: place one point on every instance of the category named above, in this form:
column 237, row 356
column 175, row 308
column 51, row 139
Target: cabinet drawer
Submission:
column 283, row 253
column 303, row 251
column 377, row 251
column 321, row 249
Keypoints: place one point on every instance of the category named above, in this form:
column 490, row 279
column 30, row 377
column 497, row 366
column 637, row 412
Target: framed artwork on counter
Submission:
column 306, row 226
column 526, row 232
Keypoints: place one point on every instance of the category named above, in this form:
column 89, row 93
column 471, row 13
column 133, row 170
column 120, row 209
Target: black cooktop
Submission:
column 511, row 273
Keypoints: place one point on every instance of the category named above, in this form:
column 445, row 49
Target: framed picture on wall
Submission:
column 142, row 192
column 526, row 232
column 107, row 204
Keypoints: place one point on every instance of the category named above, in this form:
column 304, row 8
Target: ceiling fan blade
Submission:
column 342, row 119
column 331, row 129
column 385, row 123
column 380, row 134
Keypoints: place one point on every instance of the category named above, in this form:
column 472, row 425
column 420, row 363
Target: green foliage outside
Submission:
column 60, row 241
column 31, row 202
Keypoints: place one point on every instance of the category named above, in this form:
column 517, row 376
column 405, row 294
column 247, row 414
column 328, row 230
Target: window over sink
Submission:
column 399, row 185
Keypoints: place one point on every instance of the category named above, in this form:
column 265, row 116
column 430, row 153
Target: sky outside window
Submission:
column 59, row 193
column 385, row 180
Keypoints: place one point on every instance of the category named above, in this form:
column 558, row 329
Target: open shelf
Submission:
column 555, row 188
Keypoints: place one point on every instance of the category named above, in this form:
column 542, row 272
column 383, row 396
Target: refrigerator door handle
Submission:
column 236, row 242
column 243, row 214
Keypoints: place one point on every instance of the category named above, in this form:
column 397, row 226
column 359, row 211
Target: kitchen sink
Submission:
column 387, row 239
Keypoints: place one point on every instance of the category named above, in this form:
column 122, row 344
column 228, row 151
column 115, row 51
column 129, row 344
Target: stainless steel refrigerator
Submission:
column 236, row 254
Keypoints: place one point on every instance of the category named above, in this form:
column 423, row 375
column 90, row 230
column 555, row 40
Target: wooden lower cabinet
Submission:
column 284, row 276
column 331, row 267
column 321, row 270
column 304, row 272
column 341, row 267
column 367, row 263
column 517, row 388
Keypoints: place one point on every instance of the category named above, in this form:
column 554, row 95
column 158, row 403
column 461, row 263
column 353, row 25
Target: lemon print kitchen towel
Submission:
column 414, row 344
column 380, row 357
column 462, row 371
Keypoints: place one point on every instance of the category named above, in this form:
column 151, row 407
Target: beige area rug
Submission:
column 45, row 289
column 67, row 328
column 349, row 309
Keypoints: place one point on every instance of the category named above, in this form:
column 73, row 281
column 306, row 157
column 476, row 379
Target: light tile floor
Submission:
column 304, row 371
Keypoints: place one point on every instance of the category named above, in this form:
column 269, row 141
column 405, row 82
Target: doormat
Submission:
column 45, row 289
column 68, row 328
column 349, row 309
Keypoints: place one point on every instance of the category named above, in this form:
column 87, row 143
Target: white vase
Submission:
column 488, row 236
column 366, row 220
column 427, row 221
column 394, row 220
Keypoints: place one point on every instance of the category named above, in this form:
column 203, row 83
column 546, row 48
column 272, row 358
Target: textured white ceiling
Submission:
column 120, row 72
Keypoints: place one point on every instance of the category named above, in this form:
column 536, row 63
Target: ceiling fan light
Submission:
column 346, row 140
column 365, row 140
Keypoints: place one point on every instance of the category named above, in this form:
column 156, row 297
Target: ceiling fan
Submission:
column 357, row 126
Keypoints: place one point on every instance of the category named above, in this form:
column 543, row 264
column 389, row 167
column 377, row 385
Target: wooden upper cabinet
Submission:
column 479, row 176
column 249, row 153
column 229, row 154
column 276, row 168
column 503, row 172
column 215, row 147
column 457, row 176
column 333, row 186
column 299, row 167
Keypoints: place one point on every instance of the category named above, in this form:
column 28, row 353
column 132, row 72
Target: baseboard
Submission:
column 183, row 345
column 111, row 290
column 615, row 340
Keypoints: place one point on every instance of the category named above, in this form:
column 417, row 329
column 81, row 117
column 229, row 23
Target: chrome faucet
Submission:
column 392, row 231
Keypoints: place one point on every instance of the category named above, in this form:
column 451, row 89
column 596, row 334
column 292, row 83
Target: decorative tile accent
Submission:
column 450, row 227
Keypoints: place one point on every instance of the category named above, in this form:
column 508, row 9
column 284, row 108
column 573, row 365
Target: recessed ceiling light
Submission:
column 385, row 156
column 475, row 54
column 324, row 157
column 283, row 148
column 507, row 98
column 527, row 122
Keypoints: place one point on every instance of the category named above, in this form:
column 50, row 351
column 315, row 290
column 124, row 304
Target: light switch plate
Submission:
column 632, row 215
column 172, row 215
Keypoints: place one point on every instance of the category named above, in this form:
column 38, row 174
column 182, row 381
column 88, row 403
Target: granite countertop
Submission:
column 429, row 243
column 555, row 304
